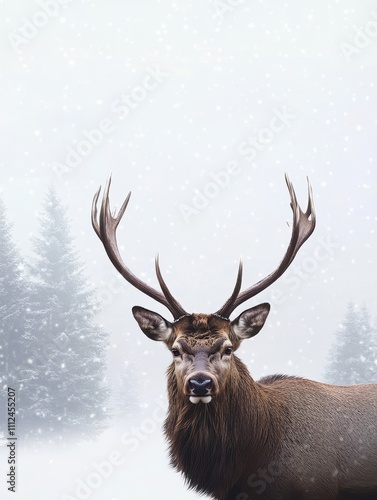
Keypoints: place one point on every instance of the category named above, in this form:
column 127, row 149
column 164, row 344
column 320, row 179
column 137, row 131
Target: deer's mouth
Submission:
column 200, row 399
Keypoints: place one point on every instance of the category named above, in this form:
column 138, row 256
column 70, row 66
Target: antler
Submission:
column 302, row 228
column 105, row 228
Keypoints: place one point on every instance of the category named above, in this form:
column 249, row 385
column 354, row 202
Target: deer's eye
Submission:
column 228, row 351
column 175, row 353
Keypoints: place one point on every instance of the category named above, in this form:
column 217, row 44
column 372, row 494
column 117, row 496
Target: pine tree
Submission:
column 352, row 357
column 65, row 375
column 369, row 341
column 12, row 312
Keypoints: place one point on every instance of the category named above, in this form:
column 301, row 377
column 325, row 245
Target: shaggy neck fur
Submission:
column 208, row 442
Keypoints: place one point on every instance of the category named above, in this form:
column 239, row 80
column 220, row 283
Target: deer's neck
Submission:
column 236, row 424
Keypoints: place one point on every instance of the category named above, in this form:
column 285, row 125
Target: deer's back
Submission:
column 330, row 437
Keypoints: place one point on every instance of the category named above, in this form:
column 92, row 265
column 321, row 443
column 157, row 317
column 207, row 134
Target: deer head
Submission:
column 202, row 345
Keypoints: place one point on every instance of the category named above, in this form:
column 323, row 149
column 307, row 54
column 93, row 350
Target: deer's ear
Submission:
column 152, row 324
column 250, row 322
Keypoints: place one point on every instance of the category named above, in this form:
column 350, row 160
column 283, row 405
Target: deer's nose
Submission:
column 200, row 387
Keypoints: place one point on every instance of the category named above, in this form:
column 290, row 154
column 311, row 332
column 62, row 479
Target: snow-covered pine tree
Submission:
column 65, row 377
column 12, row 313
column 369, row 338
column 352, row 357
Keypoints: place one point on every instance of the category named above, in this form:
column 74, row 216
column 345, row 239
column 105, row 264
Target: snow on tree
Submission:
column 12, row 311
column 65, row 374
column 353, row 356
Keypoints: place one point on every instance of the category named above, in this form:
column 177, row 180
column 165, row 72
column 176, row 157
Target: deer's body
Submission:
column 279, row 438
column 282, row 438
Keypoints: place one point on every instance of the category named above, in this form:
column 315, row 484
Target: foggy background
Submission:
column 168, row 96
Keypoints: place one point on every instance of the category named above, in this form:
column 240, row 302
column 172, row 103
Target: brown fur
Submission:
column 279, row 438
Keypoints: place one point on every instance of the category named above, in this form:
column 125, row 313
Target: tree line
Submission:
column 54, row 353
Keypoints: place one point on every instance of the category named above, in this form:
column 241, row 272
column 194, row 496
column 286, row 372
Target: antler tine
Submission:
column 166, row 290
column 106, row 231
column 302, row 227
column 105, row 214
column 310, row 211
column 94, row 213
column 237, row 287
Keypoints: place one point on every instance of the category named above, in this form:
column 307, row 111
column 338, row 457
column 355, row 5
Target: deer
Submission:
column 234, row 438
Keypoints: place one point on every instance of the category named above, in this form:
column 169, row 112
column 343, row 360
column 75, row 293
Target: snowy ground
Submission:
column 101, row 470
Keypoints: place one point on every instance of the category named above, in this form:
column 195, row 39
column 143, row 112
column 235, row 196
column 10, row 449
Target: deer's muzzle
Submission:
column 200, row 386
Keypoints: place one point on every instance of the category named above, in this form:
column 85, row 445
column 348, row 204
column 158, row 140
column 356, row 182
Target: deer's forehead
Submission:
column 201, row 330
column 209, row 342
column 201, row 325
